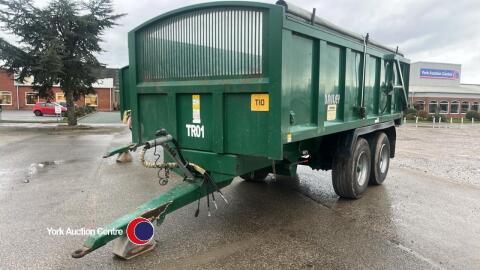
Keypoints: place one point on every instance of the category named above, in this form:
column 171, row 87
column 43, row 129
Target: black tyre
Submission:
column 380, row 158
column 37, row 113
column 350, row 174
column 256, row 176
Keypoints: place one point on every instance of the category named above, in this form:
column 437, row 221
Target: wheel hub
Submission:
column 362, row 168
column 383, row 159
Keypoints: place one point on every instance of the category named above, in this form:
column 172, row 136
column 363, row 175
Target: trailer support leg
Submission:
column 125, row 249
column 124, row 157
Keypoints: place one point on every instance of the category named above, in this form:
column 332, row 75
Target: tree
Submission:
column 57, row 44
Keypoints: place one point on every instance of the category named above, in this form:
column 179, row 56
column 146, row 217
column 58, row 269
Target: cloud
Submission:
column 425, row 30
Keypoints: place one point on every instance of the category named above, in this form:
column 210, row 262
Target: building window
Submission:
column 454, row 107
column 443, row 107
column 91, row 100
column 31, row 98
column 60, row 97
column 432, row 107
column 474, row 106
column 465, row 106
column 5, row 98
column 419, row 105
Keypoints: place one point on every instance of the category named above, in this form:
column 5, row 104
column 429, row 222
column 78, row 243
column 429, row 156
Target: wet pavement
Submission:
column 425, row 216
column 27, row 116
column 101, row 118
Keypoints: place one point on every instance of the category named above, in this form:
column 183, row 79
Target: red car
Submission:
column 42, row 108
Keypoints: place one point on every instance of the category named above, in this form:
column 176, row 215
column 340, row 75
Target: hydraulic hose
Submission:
column 149, row 164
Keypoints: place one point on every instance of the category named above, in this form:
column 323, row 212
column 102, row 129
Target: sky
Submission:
column 425, row 30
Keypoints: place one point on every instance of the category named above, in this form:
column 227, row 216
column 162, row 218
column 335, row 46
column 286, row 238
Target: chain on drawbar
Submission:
column 165, row 166
column 192, row 172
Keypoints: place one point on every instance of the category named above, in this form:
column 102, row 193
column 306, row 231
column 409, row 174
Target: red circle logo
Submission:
column 140, row 231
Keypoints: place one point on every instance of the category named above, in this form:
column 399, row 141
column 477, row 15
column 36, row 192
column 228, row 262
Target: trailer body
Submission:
column 223, row 57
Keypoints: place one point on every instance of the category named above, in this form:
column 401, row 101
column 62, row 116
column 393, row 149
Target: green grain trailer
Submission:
column 245, row 89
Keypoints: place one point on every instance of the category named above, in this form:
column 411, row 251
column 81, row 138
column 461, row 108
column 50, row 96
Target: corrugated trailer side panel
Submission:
column 322, row 82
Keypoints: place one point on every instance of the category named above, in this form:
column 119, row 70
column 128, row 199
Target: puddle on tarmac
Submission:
column 36, row 168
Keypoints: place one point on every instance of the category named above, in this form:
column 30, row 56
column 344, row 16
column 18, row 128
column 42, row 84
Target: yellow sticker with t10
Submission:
column 259, row 103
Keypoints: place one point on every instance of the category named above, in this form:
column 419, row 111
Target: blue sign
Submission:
column 444, row 74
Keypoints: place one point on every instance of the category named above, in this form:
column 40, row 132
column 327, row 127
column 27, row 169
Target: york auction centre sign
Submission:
column 444, row 74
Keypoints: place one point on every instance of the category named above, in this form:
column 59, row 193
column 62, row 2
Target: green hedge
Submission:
column 422, row 115
column 411, row 111
column 411, row 116
column 84, row 110
column 437, row 117
column 472, row 114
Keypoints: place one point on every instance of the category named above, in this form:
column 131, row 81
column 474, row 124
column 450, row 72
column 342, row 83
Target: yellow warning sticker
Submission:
column 259, row 103
column 196, row 109
column 331, row 112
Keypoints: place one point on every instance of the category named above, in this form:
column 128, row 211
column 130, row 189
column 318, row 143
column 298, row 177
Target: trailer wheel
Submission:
column 256, row 176
column 350, row 174
column 380, row 158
